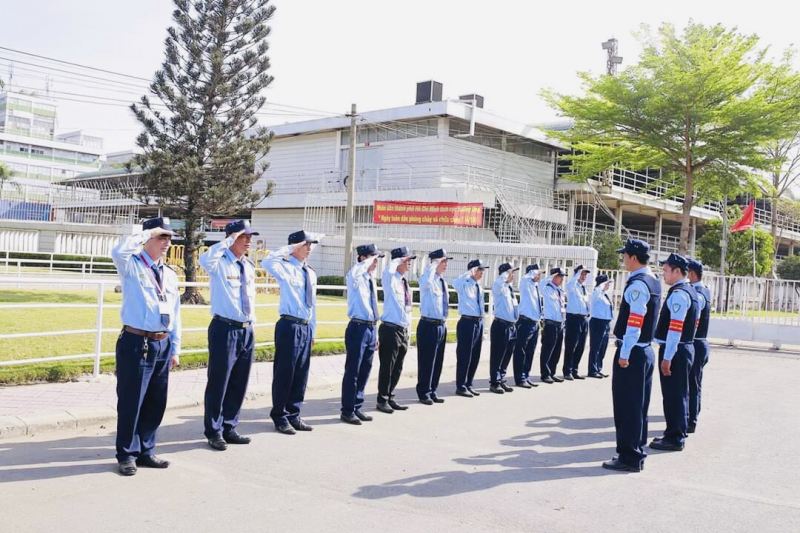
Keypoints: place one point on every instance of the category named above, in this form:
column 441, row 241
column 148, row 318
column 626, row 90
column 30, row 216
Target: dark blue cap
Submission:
column 476, row 263
column 601, row 278
column 301, row 236
column 531, row 267
column 675, row 261
column 557, row 271
column 505, row 267
column 634, row 247
column 239, row 225
column 367, row 250
column 402, row 252
column 579, row 268
column 695, row 265
column 160, row 223
column 438, row 254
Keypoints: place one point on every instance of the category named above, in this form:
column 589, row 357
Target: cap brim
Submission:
column 162, row 231
column 251, row 232
column 662, row 263
column 313, row 241
column 621, row 250
column 482, row 268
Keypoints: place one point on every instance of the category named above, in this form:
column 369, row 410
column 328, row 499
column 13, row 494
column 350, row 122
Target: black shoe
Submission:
column 350, row 419
column 616, row 464
column 384, row 408
column 465, row 393
column 361, row 416
column 666, row 446
column 557, row 379
column 531, row 383
column 548, row 380
column 299, row 424
column 603, row 375
column 151, row 461
column 233, row 437
column 577, row 376
column 567, row 377
column 598, row 376
column 506, row 387
column 473, row 391
column 128, row 468
column 692, row 428
column 285, row 428
column 426, row 401
column 524, row 385
column 396, row 406
column 436, row 399
column 497, row 389
column 217, row 443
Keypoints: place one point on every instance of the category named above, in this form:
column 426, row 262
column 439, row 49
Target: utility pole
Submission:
column 724, row 242
column 351, row 187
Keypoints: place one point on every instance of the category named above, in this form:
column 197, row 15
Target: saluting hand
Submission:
column 666, row 367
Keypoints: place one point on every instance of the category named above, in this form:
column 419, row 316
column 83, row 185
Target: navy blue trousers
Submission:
column 290, row 369
column 630, row 389
column 599, row 330
column 527, row 336
column 503, row 336
column 696, row 378
column 142, row 379
column 575, row 330
column 469, row 341
column 552, row 337
column 360, row 340
column 230, row 356
column 675, row 392
column 431, row 339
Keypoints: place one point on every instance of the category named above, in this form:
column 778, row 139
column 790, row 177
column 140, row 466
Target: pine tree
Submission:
column 201, row 140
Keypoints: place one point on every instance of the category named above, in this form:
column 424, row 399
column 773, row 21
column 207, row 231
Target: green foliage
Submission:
column 606, row 243
column 330, row 280
column 789, row 268
column 740, row 248
column 201, row 139
column 698, row 105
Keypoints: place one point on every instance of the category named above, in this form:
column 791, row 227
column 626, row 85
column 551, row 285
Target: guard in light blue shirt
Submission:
column 361, row 335
column 530, row 313
column 469, row 331
column 553, row 326
column 503, row 332
column 149, row 344
column 675, row 334
column 576, row 326
column 231, row 340
column 294, row 331
column 602, row 311
column 393, row 332
column 701, row 348
column 633, row 368
column 432, row 327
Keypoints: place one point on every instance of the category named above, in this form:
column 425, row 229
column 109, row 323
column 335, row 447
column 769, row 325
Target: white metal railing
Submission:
column 98, row 330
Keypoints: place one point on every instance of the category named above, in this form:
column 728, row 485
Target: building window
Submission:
column 500, row 140
column 393, row 131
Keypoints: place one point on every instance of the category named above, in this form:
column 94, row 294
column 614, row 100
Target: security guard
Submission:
column 530, row 313
column 677, row 324
column 231, row 341
column 601, row 311
column 294, row 331
column 469, row 330
column 361, row 335
column 553, row 328
column 503, row 332
column 149, row 344
column 577, row 326
column 434, row 301
column 393, row 331
column 701, row 349
column 633, row 371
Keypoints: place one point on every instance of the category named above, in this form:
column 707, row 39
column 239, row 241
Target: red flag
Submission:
column 747, row 220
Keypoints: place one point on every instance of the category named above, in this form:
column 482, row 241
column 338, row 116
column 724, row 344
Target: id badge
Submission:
column 163, row 306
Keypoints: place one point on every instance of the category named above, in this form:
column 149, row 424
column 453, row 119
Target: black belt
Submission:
column 504, row 321
column 577, row 314
column 393, row 325
column 523, row 318
column 473, row 318
column 234, row 323
column 291, row 318
column 366, row 322
column 437, row 321
column 553, row 322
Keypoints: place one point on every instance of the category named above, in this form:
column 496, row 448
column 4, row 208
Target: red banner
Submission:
column 428, row 213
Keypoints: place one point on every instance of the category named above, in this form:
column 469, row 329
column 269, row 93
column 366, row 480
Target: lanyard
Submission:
column 157, row 280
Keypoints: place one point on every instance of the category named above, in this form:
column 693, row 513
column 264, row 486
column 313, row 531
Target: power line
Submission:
column 73, row 64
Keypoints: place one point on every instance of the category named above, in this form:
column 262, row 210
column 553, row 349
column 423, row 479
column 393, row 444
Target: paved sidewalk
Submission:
column 33, row 409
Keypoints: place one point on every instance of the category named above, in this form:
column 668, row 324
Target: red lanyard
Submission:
column 159, row 283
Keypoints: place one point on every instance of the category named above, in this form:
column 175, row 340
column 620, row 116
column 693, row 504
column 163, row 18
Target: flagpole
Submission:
column 753, row 228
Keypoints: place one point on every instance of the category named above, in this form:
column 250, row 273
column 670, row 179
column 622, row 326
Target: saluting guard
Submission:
column 530, row 314
column 469, row 330
column 503, row 332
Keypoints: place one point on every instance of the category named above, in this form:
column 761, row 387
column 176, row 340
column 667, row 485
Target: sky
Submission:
column 328, row 54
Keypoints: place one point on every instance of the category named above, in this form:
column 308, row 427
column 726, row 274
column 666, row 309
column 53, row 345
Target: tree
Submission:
column 606, row 243
column 695, row 105
column 201, row 141
column 740, row 248
column 5, row 179
column 789, row 268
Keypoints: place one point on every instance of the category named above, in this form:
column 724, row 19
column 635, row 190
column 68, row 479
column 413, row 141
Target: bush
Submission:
column 789, row 268
column 330, row 280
